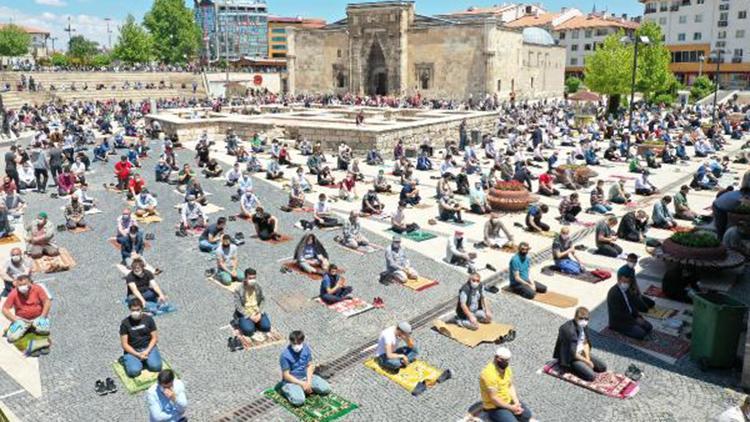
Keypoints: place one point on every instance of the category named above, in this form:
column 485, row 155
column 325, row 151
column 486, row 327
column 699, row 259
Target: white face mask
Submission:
column 297, row 347
column 23, row 289
column 624, row 286
column 475, row 285
column 631, row 264
column 16, row 258
column 582, row 323
column 136, row 315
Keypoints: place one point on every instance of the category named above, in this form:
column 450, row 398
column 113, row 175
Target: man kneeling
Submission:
column 472, row 306
column 298, row 379
column 573, row 348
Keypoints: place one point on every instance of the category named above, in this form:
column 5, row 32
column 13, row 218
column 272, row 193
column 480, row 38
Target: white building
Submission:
column 695, row 28
column 503, row 12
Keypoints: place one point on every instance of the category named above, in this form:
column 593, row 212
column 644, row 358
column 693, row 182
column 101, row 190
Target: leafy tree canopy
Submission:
column 176, row 35
column 14, row 41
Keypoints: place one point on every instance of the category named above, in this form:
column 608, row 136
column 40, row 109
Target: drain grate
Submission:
column 249, row 411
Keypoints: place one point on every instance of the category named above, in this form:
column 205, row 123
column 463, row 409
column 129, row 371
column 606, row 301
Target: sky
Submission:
column 87, row 17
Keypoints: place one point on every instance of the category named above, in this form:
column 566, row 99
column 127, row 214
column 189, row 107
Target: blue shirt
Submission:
column 327, row 283
column 296, row 363
column 533, row 210
column 161, row 409
column 520, row 265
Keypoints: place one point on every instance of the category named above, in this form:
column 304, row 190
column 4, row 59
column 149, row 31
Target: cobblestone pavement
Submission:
column 87, row 312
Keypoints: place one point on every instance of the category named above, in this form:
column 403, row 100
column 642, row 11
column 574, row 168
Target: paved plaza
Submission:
column 87, row 310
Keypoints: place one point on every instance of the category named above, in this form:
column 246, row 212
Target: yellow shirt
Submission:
column 491, row 379
column 251, row 302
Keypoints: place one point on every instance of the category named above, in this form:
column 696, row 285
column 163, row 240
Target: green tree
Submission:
column 14, row 41
column 59, row 59
column 176, row 35
column 572, row 84
column 654, row 77
column 134, row 44
column 81, row 50
column 101, row 60
column 702, row 87
column 609, row 70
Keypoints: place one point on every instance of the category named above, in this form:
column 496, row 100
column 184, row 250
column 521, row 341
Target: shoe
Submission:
column 492, row 289
column 238, row 344
column 210, row 272
column 230, row 344
column 491, row 268
column 150, row 236
column 420, row 388
column 110, row 385
column 239, row 235
column 445, row 376
column 44, row 351
column 100, row 388
column 232, row 218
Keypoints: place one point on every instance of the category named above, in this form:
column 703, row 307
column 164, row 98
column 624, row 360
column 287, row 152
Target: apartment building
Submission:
column 277, row 32
column 233, row 29
column 695, row 28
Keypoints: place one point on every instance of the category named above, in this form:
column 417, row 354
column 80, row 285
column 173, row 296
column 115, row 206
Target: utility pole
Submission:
column 69, row 29
column 109, row 33
column 716, row 82
column 53, row 39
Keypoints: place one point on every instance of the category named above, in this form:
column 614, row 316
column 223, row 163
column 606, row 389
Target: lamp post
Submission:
column 53, row 39
column 637, row 40
column 109, row 34
column 717, row 55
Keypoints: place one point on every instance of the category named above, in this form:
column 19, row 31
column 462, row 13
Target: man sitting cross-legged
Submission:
column 16, row 266
column 27, row 308
column 192, row 215
column 605, row 238
column 389, row 355
column 266, row 225
column 74, row 214
column 248, row 297
column 129, row 236
column 397, row 265
column 40, row 234
column 248, row 202
column 352, row 232
column 142, row 285
column 138, row 338
column 573, row 348
column 210, row 238
column 310, row 255
column 227, row 262
column 456, row 252
column 333, row 288
column 564, row 253
column 297, row 371
column 145, row 204
column 472, row 308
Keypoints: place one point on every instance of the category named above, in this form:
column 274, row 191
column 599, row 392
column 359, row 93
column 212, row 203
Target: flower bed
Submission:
column 698, row 245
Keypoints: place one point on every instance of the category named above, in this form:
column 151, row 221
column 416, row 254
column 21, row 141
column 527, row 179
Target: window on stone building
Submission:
column 499, row 85
column 587, row 33
column 740, row 33
column 697, row 36
column 574, row 47
column 338, row 53
column 424, row 73
column 683, row 19
column 681, row 37
column 698, row 18
column 424, row 80
column 721, row 35
column 562, row 35
column 532, row 82
column 587, row 47
column 662, row 21
column 574, row 61
column 574, row 34
column 742, row 14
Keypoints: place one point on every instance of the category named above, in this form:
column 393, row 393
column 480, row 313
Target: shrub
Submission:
column 696, row 239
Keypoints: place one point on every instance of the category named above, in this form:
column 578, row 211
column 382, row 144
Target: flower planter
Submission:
column 509, row 199
column 734, row 217
column 686, row 252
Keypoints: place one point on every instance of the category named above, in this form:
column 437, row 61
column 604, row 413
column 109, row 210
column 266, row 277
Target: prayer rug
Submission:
column 317, row 408
column 421, row 283
column 90, row 211
column 655, row 291
column 608, row 383
column 621, row 177
column 300, row 210
column 586, row 224
column 658, row 312
column 149, row 219
column 557, row 300
column 7, row 240
column 409, row 378
column 31, row 342
column 348, row 307
column 665, row 344
column 416, row 236
column 54, row 264
column 463, row 223
column 215, row 281
column 141, row 382
column 282, row 239
column 586, row 276
column 211, row 208
column 113, row 241
column 271, row 338
column 509, row 249
column 423, row 206
column 79, row 230
column 293, row 266
column 487, row 333
column 362, row 250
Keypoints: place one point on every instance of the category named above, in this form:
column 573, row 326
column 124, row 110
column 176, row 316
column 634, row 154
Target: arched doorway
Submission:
column 377, row 72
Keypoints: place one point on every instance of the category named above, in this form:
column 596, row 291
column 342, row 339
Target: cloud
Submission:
column 91, row 27
column 53, row 3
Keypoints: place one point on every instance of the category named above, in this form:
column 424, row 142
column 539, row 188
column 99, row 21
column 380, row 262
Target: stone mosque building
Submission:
column 386, row 48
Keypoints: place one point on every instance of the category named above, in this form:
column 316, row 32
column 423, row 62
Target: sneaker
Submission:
column 299, row 225
column 231, row 345
column 110, row 385
column 100, row 388
column 239, row 235
column 491, row 268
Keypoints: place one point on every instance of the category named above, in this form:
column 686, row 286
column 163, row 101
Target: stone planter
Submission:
column 510, row 200
column 656, row 149
column 733, row 218
column 686, row 252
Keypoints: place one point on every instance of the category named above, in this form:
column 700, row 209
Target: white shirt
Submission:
column 733, row 414
column 322, row 208
column 387, row 336
column 581, row 341
column 642, row 183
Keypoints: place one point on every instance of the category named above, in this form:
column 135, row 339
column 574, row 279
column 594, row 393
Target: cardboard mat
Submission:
column 662, row 343
column 141, row 382
column 149, row 219
column 558, row 300
column 79, row 230
column 50, row 264
column 113, row 241
column 362, row 250
column 348, row 307
column 7, row 240
column 410, row 377
column 317, row 408
column 487, row 333
column 421, row 283
column 610, row 384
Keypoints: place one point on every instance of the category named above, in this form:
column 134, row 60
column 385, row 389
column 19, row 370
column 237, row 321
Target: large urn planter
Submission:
column 582, row 174
column 509, row 196
column 695, row 246
column 741, row 213
column 655, row 147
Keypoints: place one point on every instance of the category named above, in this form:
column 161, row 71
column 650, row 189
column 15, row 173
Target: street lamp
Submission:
column 637, row 40
column 716, row 54
column 109, row 33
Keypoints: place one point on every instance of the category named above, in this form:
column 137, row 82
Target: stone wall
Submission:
column 315, row 57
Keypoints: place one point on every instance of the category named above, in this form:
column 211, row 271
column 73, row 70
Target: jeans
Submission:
column 205, row 246
column 538, row 222
column 571, row 214
column 248, row 327
column 568, row 266
column 151, row 298
column 396, row 364
column 585, row 372
column 127, row 245
column 609, row 249
column 41, row 177
column 134, row 366
column 337, row 297
column 226, row 278
column 296, row 395
column 505, row 415
column 601, row 208
column 526, row 292
column 638, row 330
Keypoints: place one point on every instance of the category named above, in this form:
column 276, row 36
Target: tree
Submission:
column 609, row 70
column 134, row 44
column 176, row 35
column 59, row 59
column 81, row 50
column 14, row 41
column 702, row 87
column 653, row 76
column 101, row 60
column 572, row 84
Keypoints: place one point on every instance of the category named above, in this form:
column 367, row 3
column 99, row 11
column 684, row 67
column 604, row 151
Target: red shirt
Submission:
column 545, row 179
column 137, row 186
column 29, row 307
column 122, row 169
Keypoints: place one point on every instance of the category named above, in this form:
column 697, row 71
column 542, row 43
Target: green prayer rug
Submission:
column 317, row 408
column 416, row 236
column 141, row 382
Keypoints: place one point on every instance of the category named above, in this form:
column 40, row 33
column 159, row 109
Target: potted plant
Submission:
column 655, row 145
column 700, row 245
column 509, row 196
column 741, row 212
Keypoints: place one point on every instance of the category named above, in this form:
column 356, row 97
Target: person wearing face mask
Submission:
column 564, row 253
column 499, row 396
column 191, row 215
column 633, row 226
column 388, row 354
column 122, row 172
column 65, row 182
column 298, row 380
column 641, row 301
column 352, row 232
column 397, row 265
column 166, row 399
column 333, row 288
column 142, row 285
column 78, row 168
column 265, row 225
column 129, row 236
column 16, row 266
column 739, row 413
column 27, row 308
column 624, row 316
column 227, row 262
column 520, row 277
column 39, row 238
column 138, row 338
column 248, row 298
column 145, row 204
column 456, row 253
column 74, row 214
column 573, row 348
column 472, row 308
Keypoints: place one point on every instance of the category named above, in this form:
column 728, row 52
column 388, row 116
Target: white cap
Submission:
column 405, row 327
column 503, row 353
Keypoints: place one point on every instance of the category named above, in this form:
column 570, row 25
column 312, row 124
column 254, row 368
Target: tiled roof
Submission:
column 580, row 22
column 484, row 10
column 28, row 29
column 533, row 20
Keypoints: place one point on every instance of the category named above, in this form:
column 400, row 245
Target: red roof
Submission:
column 533, row 20
column 28, row 29
column 591, row 21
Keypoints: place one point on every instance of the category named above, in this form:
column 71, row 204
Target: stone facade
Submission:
column 385, row 48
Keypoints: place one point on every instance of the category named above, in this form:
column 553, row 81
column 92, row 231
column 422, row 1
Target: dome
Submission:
column 535, row 35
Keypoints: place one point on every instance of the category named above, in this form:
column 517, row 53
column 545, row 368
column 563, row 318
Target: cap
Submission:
column 404, row 327
column 503, row 353
column 396, row 238
column 42, row 215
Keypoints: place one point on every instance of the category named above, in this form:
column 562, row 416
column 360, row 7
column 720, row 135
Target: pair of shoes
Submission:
column 285, row 270
column 232, row 218
column 105, row 387
column 234, row 344
column 634, row 373
column 150, row 236
column 181, row 233
column 378, row 302
column 210, row 272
